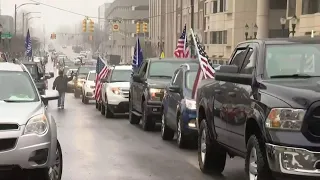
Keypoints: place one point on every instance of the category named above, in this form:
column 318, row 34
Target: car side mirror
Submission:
column 49, row 95
column 137, row 78
column 104, row 80
column 228, row 69
column 245, row 79
column 47, row 76
column 174, row 89
column 41, row 74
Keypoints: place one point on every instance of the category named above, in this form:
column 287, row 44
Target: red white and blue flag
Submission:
column 182, row 50
column 102, row 72
column 205, row 70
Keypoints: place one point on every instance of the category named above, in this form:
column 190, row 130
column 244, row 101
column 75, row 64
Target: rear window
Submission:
column 165, row 69
column 121, row 75
column 86, row 70
column 190, row 78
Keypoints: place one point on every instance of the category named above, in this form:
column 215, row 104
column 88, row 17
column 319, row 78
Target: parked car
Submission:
column 179, row 107
column 88, row 87
column 28, row 139
column 264, row 106
column 38, row 75
column 147, row 90
column 115, row 91
column 79, row 79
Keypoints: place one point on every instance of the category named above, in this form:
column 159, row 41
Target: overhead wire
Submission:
column 94, row 17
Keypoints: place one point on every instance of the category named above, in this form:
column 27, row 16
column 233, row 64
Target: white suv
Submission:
column 115, row 91
column 88, row 87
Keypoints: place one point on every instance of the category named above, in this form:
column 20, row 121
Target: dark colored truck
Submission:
column 147, row 90
column 264, row 106
column 113, row 60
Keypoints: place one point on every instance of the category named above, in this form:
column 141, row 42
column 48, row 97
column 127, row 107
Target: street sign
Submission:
column 6, row 36
column 115, row 27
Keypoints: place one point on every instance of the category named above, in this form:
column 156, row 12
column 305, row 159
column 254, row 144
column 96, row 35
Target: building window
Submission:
column 214, row 6
column 278, row 4
column 206, row 8
column 179, row 3
column 291, row 8
column 218, row 37
column 310, row 6
column 205, row 38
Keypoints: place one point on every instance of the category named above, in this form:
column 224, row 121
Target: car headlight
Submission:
column 153, row 94
column 79, row 83
column 116, row 90
column 37, row 124
column 285, row 118
column 191, row 104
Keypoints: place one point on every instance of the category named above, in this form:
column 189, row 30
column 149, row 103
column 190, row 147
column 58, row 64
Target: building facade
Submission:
column 127, row 13
column 101, row 12
column 7, row 23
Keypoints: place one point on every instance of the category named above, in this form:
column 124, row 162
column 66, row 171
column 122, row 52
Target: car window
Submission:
column 143, row 69
column 164, row 69
column 249, row 62
column 293, row 59
column 120, row 75
column 178, row 79
column 21, row 90
column 238, row 57
column 86, row 70
column 92, row 77
column 190, row 78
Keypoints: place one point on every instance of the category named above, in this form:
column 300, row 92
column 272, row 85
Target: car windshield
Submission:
column 190, row 78
column 86, row 70
column 163, row 69
column 92, row 76
column 22, row 90
column 121, row 75
column 293, row 60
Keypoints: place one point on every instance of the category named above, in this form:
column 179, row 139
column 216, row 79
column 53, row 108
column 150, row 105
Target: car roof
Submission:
column 6, row 66
column 92, row 72
column 174, row 59
column 123, row 67
column 190, row 66
column 29, row 62
column 291, row 40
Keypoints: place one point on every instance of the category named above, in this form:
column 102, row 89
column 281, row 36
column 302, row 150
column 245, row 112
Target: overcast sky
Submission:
column 53, row 18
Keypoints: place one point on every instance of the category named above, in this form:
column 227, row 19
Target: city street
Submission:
column 96, row 148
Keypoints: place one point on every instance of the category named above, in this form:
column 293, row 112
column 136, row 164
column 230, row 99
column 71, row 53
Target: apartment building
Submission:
column 101, row 12
column 127, row 13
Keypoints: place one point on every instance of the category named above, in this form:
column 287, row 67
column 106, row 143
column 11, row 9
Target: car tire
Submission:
column 102, row 109
column 167, row 133
column 181, row 138
column 108, row 112
column 147, row 123
column 97, row 105
column 211, row 156
column 133, row 119
column 256, row 160
column 49, row 173
column 85, row 99
column 76, row 93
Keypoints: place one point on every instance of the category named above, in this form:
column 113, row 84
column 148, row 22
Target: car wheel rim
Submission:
column 203, row 146
column 179, row 132
column 55, row 169
column 162, row 125
column 253, row 166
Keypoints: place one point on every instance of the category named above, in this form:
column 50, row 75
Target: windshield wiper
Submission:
column 17, row 101
column 293, row 76
column 162, row 76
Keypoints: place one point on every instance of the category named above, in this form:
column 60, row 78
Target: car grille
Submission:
column 124, row 92
column 160, row 95
column 5, row 127
column 7, row 144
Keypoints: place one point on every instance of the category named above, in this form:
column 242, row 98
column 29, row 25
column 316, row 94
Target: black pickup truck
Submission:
column 264, row 106
column 147, row 90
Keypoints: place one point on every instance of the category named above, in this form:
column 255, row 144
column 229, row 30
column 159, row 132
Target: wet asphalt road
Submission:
column 96, row 148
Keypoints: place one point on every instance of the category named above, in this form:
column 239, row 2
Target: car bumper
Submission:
column 293, row 161
column 29, row 152
column 89, row 94
column 189, row 123
column 118, row 104
column 154, row 110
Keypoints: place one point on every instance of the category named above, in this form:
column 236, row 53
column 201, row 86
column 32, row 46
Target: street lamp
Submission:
column 23, row 18
column 15, row 14
column 294, row 22
column 255, row 32
column 27, row 25
column 283, row 22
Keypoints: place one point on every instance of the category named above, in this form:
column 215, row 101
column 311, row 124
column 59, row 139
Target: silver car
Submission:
column 28, row 133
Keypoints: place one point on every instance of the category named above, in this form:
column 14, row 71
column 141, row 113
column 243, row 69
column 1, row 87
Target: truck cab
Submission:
column 264, row 106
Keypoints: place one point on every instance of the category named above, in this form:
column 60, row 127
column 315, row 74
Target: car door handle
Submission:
column 232, row 94
column 217, row 91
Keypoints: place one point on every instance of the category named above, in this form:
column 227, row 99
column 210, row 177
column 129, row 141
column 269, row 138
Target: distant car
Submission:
column 88, row 87
column 28, row 138
column 80, row 77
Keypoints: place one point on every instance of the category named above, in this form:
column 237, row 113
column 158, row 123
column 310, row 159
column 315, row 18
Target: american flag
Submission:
column 102, row 71
column 182, row 50
column 28, row 45
column 205, row 70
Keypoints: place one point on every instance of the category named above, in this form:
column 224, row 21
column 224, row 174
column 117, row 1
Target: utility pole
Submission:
column 15, row 19
column 125, row 41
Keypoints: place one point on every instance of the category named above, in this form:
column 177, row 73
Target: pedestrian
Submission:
column 61, row 85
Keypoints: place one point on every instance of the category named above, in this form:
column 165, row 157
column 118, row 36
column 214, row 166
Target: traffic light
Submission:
column 138, row 27
column 90, row 38
column 91, row 26
column 53, row 36
column 84, row 25
column 145, row 27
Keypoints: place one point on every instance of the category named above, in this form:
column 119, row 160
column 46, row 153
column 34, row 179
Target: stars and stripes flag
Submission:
column 205, row 70
column 101, row 71
column 182, row 50
column 137, row 57
column 28, row 45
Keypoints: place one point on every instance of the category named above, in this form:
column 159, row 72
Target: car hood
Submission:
column 158, row 83
column 18, row 113
column 298, row 93
column 123, row 85
column 90, row 83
